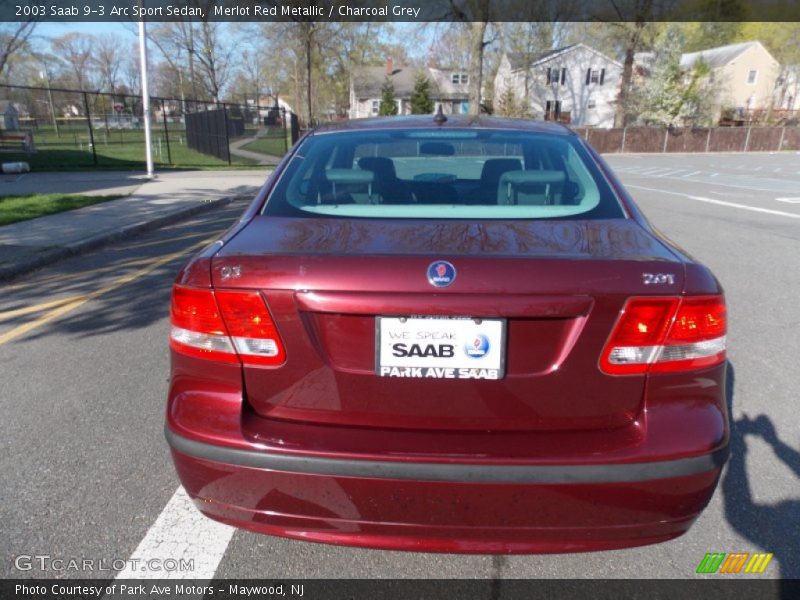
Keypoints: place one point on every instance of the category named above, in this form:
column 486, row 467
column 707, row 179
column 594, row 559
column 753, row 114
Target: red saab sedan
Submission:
column 454, row 335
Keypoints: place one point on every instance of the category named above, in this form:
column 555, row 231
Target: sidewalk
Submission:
column 262, row 159
column 169, row 197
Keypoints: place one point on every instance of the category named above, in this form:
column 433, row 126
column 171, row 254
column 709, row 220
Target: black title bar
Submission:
column 398, row 10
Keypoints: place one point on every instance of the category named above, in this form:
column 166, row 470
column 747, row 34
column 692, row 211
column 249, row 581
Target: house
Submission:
column 449, row 89
column 744, row 74
column 576, row 84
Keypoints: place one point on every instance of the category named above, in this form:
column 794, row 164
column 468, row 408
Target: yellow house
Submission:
column 745, row 74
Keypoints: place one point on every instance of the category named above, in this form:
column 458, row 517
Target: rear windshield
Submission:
column 441, row 174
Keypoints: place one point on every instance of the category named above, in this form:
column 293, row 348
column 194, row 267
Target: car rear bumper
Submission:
column 447, row 507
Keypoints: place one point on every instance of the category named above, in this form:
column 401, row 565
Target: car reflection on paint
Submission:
column 454, row 335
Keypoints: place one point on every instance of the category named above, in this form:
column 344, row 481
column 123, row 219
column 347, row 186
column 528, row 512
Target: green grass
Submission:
column 22, row 208
column 273, row 145
column 121, row 149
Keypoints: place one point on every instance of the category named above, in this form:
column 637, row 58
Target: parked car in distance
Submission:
column 449, row 335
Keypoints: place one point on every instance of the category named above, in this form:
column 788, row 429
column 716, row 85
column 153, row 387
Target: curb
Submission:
column 48, row 257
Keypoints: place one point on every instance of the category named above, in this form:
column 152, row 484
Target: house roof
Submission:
column 717, row 57
column 518, row 60
column 368, row 81
column 521, row 60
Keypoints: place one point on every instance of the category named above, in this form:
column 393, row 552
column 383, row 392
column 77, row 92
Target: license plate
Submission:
column 440, row 347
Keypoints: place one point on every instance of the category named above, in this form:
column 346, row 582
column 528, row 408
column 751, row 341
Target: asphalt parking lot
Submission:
column 83, row 349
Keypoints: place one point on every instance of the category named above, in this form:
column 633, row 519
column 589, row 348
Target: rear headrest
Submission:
column 380, row 165
column 518, row 187
column 493, row 168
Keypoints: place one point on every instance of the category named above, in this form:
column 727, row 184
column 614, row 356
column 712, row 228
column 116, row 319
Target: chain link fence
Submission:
column 56, row 128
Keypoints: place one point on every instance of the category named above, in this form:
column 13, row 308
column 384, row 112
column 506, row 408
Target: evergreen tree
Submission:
column 672, row 96
column 509, row 106
column 421, row 101
column 388, row 105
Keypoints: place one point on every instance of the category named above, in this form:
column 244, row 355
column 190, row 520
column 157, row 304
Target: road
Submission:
column 87, row 473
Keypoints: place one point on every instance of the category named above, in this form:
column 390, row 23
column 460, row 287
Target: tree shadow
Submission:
column 772, row 527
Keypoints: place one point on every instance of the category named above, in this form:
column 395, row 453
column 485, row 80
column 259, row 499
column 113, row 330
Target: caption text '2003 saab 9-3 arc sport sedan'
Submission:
column 448, row 334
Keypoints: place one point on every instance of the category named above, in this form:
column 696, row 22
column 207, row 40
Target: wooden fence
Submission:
column 713, row 139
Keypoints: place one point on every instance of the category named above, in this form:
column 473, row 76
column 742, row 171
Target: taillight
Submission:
column 666, row 334
column 222, row 325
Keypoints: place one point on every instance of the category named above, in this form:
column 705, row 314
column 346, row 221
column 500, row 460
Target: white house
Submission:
column 449, row 88
column 576, row 84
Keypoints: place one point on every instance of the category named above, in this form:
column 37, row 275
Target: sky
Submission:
column 128, row 30
column 55, row 29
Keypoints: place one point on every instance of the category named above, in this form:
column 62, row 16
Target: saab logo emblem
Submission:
column 736, row 562
column 478, row 347
column 441, row 273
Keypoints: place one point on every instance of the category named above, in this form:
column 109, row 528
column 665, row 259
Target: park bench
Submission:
column 16, row 140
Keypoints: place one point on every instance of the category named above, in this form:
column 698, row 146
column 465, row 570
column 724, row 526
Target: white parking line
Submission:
column 766, row 180
column 721, row 202
column 180, row 532
column 794, row 200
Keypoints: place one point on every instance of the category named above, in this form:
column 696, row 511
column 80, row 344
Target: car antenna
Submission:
column 439, row 118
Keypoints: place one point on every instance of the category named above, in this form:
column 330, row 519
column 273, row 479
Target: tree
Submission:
column 13, row 37
column 388, row 105
column 76, row 51
column 670, row 96
column 213, row 55
column 421, row 101
column 507, row 105
column 108, row 60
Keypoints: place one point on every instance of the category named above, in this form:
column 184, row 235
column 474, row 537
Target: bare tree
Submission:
column 13, row 37
column 108, row 60
column 76, row 51
column 213, row 56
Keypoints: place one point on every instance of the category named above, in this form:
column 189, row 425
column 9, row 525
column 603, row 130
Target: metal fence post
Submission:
column 285, row 130
column 747, row 139
column 227, row 136
column 89, row 123
column 622, row 148
column 666, row 140
column 780, row 143
column 166, row 129
column 708, row 139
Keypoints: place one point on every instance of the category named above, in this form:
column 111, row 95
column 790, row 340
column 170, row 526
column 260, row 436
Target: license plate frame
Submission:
column 485, row 358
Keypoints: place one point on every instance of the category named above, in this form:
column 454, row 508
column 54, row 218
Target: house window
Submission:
column 375, row 105
column 459, row 78
column 556, row 76
column 595, row 76
column 751, row 76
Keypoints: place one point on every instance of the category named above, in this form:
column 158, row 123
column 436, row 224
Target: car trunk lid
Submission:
column 554, row 287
